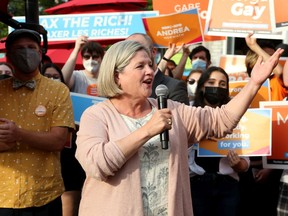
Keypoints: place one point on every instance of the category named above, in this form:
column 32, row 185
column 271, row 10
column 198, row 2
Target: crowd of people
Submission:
column 112, row 163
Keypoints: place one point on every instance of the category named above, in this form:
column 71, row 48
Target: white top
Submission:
column 82, row 82
column 224, row 167
column 153, row 169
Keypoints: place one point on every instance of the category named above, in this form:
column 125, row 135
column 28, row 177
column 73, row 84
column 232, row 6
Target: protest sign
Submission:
column 234, row 65
column 178, row 28
column 251, row 137
column 177, row 6
column 281, row 15
column 99, row 26
column 242, row 17
column 80, row 102
column 263, row 93
column 279, row 156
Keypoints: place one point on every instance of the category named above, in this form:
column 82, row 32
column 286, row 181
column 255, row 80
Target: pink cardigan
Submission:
column 112, row 186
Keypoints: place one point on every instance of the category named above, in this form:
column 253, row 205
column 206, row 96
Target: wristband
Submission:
column 165, row 59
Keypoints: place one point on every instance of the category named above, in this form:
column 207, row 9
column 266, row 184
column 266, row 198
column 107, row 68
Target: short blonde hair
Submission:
column 117, row 57
column 250, row 61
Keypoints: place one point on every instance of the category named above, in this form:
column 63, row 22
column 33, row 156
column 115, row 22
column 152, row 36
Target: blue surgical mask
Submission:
column 198, row 64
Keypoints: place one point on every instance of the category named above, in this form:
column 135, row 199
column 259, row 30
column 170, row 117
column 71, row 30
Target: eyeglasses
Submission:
column 54, row 76
column 191, row 81
column 87, row 56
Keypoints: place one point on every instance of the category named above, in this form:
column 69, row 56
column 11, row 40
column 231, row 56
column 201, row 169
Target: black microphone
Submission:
column 162, row 93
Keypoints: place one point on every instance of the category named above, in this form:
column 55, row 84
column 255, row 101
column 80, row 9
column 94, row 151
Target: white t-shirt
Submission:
column 83, row 84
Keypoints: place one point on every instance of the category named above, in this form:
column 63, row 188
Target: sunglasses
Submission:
column 87, row 56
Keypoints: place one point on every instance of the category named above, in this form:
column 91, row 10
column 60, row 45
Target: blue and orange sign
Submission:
column 251, row 137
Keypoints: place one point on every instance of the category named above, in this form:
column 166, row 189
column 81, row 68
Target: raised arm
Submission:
column 254, row 46
column 69, row 66
column 171, row 51
column 261, row 71
column 179, row 70
column 101, row 157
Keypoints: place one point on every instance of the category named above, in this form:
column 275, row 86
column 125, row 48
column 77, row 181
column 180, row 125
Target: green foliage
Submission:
column 17, row 8
column 3, row 30
column 149, row 5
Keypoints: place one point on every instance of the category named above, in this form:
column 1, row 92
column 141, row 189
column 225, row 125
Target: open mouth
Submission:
column 148, row 81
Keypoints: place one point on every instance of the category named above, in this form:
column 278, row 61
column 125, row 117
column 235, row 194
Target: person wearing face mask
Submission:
column 200, row 58
column 214, row 181
column 264, row 184
column 36, row 117
column 84, row 81
column 118, row 143
column 191, row 81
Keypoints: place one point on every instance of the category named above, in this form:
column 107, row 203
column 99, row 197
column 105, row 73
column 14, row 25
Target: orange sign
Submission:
column 241, row 17
column 279, row 157
column 177, row 6
column 281, row 15
column 263, row 93
column 235, row 67
column 251, row 137
column 175, row 28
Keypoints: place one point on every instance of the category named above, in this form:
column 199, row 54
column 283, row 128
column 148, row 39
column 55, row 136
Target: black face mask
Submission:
column 26, row 59
column 215, row 95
